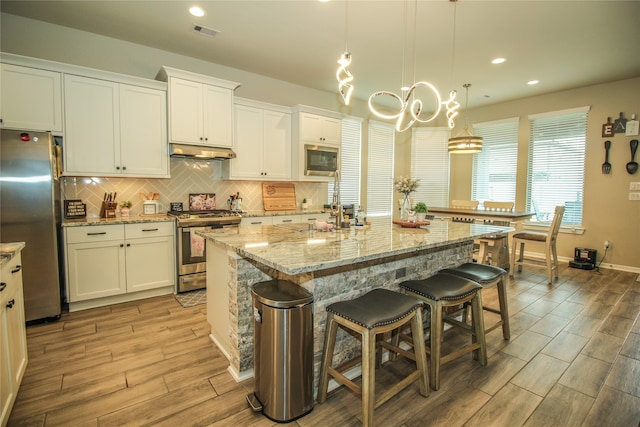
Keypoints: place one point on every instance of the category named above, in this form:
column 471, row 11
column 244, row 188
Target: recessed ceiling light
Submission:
column 498, row 61
column 533, row 82
column 196, row 11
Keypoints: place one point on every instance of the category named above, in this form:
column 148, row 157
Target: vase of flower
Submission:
column 405, row 186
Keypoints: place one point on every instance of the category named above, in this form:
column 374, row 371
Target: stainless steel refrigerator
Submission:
column 30, row 213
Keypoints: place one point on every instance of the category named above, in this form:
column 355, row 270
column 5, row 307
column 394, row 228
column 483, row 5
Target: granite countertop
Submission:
column 294, row 249
column 118, row 220
column 9, row 250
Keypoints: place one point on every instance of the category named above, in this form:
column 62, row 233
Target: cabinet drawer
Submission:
column 149, row 229
column 314, row 217
column 285, row 219
column 94, row 233
column 256, row 220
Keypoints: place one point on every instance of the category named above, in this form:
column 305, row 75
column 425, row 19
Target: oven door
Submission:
column 192, row 256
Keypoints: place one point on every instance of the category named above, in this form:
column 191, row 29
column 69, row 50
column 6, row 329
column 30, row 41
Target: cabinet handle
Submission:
column 124, row 168
column 150, row 229
column 256, row 222
column 122, row 245
column 312, row 219
column 287, row 220
column 11, row 303
column 206, row 139
column 2, row 286
column 128, row 244
column 118, row 168
column 96, row 233
column 16, row 269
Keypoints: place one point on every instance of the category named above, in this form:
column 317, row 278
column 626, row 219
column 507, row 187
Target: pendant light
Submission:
column 465, row 142
column 343, row 75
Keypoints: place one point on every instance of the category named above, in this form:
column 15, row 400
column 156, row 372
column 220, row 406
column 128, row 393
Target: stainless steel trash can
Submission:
column 282, row 350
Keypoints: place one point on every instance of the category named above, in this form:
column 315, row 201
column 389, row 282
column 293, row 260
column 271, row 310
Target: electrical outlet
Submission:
column 634, row 196
column 634, row 186
column 607, row 245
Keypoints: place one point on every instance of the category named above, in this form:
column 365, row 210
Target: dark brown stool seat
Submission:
column 446, row 290
column 488, row 276
column 376, row 312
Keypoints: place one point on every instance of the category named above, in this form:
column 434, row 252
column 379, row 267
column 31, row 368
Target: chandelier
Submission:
column 465, row 142
column 409, row 108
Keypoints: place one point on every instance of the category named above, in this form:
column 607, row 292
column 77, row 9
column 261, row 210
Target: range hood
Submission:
column 203, row 153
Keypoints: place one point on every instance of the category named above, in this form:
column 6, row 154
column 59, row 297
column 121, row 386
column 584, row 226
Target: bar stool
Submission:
column 487, row 276
column 446, row 290
column 376, row 312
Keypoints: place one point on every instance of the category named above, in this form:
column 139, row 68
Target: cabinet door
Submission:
column 7, row 392
column 95, row 270
column 143, row 134
column 311, row 128
column 331, row 131
column 30, row 99
column 150, row 263
column 218, row 116
column 185, row 112
column 16, row 335
column 92, row 137
column 248, row 146
column 277, row 145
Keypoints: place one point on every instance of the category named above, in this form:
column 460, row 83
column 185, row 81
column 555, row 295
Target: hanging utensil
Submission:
column 632, row 166
column 606, row 166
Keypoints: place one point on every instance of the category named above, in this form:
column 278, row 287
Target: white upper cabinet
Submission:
column 200, row 108
column 30, row 98
column 262, row 142
column 114, row 129
column 320, row 130
column 143, row 131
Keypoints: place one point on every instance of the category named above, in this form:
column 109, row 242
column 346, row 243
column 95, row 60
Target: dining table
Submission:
column 495, row 248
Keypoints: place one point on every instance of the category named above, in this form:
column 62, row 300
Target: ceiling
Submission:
column 563, row 44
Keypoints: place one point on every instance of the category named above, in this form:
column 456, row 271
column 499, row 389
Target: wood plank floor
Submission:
column 573, row 359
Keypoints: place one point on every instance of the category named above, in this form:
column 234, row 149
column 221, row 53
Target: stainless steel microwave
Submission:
column 321, row 160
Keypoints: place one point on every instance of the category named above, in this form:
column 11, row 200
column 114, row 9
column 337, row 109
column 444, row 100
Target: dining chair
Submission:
column 547, row 239
column 487, row 245
column 465, row 204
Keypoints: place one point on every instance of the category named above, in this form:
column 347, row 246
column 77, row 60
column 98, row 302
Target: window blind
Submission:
column 350, row 162
column 495, row 167
column 430, row 164
column 380, row 169
column 556, row 164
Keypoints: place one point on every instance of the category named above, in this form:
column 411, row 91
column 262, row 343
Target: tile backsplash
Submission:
column 187, row 176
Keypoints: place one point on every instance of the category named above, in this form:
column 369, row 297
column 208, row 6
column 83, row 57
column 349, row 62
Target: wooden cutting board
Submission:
column 279, row 196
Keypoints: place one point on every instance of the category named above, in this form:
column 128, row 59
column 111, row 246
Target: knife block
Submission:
column 108, row 209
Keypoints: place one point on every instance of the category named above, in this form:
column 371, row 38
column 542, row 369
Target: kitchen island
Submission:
column 333, row 266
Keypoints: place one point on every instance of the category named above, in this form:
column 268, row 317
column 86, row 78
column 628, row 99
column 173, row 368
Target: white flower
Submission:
column 405, row 185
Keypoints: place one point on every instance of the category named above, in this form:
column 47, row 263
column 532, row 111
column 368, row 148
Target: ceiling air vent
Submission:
column 205, row 31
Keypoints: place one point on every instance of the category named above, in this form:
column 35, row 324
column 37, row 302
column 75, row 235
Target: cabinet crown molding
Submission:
column 166, row 72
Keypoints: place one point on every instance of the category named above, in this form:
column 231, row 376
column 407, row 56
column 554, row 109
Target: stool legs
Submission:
column 368, row 362
column 327, row 357
column 504, row 308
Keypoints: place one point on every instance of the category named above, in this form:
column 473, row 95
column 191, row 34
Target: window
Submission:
column 494, row 168
column 350, row 164
column 430, row 164
column 556, row 164
column 382, row 139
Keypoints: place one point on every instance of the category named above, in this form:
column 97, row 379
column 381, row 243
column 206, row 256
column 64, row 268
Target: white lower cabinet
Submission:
column 114, row 263
column 13, row 337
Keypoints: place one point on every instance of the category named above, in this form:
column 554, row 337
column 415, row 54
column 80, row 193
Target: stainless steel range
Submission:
column 191, row 256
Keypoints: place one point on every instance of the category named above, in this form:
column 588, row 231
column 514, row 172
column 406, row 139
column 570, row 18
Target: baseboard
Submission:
column 606, row 265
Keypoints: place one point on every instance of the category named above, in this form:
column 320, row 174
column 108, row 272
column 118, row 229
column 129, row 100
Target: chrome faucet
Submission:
column 336, row 207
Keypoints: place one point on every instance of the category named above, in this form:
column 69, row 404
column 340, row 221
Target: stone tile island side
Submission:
column 333, row 266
